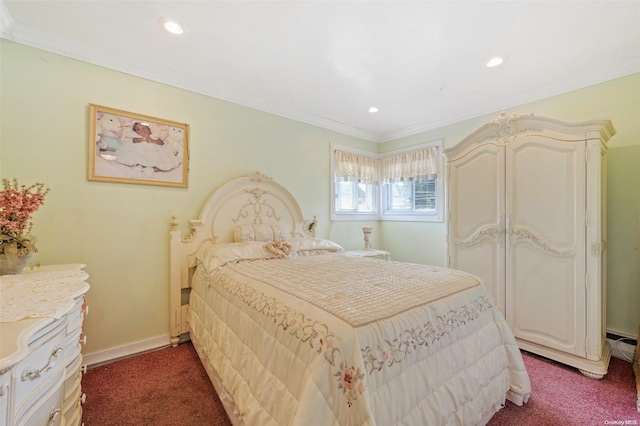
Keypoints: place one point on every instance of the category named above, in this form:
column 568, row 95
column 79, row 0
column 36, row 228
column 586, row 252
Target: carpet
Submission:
column 170, row 387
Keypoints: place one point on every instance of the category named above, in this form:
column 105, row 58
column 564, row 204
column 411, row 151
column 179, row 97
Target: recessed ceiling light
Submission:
column 373, row 110
column 494, row 62
column 173, row 27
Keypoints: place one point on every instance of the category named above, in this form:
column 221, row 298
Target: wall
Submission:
column 120, row 231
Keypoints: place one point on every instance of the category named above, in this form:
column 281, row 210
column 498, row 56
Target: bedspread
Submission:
column 333, row 339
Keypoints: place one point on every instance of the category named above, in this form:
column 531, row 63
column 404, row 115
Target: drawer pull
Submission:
column 32, row 373
column 83, row 339
column 53, row 415
column 84, row 369
column 83, row 398
column 85, row 309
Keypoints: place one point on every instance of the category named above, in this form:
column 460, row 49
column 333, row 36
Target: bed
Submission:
column 292, row 330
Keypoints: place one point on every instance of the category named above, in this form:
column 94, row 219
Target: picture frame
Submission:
column 127, row 147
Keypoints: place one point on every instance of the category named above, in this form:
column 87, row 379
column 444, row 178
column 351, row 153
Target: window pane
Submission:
column 425, row 191
column 400, row 196
column 354, row 197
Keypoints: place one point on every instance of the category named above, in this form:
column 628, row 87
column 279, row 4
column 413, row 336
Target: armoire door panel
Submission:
column 484, row 259
column 545, row 204
column 477, row 179
column 545, row 191
column 541, row 302
column 477, row 230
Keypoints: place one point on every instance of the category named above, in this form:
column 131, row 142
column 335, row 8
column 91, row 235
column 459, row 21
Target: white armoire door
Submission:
column 545, row 242
column 476, row 182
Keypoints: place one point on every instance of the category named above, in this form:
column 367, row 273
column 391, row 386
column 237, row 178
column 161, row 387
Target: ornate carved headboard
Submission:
column 249, row 200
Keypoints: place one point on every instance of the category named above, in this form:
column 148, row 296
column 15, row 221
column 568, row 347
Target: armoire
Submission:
column 526, row 207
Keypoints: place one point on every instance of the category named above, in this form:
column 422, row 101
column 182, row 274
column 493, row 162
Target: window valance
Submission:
column 350, row 165
column 414, row 165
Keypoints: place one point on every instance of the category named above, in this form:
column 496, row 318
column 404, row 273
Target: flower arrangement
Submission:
column 17, row 204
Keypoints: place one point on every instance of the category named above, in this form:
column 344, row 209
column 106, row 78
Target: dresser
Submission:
column 527, row 214
column 41, row 331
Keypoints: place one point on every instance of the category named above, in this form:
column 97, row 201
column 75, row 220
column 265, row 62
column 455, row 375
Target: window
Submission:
column 355, row 185
column 399, row 185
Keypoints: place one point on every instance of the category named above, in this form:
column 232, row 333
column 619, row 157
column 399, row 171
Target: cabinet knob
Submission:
column 84, row 369
column 85, row 309
column 83, row 398
column 83, row 339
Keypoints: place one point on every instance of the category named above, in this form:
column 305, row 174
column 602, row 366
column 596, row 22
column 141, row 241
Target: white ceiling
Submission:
column 422, row 63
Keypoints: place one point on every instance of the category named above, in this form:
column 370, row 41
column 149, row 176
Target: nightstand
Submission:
column 371, row 254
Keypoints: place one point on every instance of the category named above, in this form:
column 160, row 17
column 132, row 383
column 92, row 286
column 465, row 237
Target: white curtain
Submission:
column 415, row 165
column 350, row 166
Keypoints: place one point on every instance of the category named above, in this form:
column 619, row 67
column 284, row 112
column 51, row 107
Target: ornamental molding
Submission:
column 522, row 233
column 492, row 231
column 506, row 128
column 257, row 206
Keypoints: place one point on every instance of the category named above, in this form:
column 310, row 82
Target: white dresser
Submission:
column 42, row 313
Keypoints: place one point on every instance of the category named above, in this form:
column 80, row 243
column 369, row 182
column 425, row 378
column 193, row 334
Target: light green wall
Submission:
column 120, row 231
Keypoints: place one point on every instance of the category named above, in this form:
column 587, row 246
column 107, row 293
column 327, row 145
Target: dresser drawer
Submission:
column 45, row 410
column 75, row 317
column 73, row 416
column 33, row 374
column 73, row 377
column 72, row 404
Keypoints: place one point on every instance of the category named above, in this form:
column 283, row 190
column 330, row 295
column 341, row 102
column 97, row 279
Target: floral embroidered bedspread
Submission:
column 355, row 341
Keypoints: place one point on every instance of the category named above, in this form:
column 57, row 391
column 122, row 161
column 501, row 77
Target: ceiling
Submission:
column 421, row 63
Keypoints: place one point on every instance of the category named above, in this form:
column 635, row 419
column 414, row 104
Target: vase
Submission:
column 367, row 232
column 11, row 265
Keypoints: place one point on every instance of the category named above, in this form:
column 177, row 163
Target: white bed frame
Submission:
column 249, row 200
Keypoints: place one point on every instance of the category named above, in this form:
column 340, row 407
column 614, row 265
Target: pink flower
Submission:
column 348, row 378
column 17, row 204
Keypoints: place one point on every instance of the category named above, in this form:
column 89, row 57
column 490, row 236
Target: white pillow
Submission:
column 313, row 246
column 213, row 256
column 259, row 233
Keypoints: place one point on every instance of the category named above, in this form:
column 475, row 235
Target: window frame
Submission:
column 353, row 215
column 381, row 190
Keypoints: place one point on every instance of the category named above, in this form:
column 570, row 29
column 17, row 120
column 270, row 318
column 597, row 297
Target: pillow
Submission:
column 313, row 246
column 214, row 256
column 259, row 233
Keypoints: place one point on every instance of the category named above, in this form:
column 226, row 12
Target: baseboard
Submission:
column 110, row 355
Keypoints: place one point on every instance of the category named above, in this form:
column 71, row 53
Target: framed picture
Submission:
column 133, row 148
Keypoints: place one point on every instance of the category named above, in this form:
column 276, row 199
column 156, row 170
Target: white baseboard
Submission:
column 115, row 354
column 621, row 349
